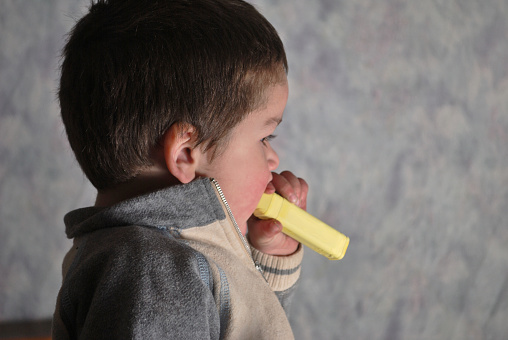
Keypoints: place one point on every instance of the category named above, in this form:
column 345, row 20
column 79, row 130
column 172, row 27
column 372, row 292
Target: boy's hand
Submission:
column 266, row 235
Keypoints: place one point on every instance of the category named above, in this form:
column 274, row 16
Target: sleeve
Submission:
column 146, row 289
column 281, row 272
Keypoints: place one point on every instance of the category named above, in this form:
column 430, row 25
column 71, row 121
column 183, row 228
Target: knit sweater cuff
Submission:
column 281, row 272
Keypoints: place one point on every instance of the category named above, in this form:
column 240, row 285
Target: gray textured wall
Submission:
column 398, row 119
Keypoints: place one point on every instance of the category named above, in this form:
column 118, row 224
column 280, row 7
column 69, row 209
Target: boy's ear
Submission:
column 180, row 153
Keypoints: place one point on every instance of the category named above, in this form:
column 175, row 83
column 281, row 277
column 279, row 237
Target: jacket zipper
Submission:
column 230, row 213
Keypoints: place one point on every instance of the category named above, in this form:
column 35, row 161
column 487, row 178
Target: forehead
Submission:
column 264, row 119
column 261, row 122
column 270, row 113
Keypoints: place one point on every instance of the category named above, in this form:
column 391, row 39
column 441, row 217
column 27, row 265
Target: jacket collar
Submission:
column 183, row 206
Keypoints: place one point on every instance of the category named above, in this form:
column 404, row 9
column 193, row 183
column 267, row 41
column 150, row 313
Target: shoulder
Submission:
column 142, row 276
column 136, row 252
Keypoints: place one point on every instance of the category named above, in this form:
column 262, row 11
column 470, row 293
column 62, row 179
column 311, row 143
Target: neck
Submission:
column 149, row 180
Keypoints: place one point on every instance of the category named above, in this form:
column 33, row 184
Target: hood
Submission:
column 183, row 206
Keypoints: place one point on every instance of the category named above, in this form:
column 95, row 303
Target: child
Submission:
column 169, row 107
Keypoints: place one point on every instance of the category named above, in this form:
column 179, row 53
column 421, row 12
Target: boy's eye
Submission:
column 268, row 139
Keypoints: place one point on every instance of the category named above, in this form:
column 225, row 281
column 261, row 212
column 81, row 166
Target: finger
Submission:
column 303, row 193
column 300, row 187
column 293, row 180
column 270, row 189
column 266, row 236
column 262, row 232
column 269, row 228
column 284, row 188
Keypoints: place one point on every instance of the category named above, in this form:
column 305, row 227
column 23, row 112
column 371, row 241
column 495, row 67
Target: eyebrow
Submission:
column 273, row 120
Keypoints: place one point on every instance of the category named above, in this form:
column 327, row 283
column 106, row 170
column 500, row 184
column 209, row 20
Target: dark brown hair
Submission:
column 133, row 68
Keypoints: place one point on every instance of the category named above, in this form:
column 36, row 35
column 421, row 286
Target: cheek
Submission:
column 252, row 187
column 246, row 182
column 255, row 189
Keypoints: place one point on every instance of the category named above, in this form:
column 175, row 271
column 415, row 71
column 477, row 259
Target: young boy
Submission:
column 169, row 107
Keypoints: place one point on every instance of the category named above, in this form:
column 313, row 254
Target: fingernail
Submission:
column 293, row 199
column 275, row 226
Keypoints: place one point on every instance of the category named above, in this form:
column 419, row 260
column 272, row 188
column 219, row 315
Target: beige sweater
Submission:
column 256, row 313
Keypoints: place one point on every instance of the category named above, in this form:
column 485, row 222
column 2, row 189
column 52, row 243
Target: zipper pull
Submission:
column 258, row 267
column 260, row 270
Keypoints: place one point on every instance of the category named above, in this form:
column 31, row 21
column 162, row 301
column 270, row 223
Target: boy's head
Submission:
column 133, row 68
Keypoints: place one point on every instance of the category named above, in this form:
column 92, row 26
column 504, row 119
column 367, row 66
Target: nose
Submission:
column 272, row 158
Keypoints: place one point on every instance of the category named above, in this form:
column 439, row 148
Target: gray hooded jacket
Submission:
column 170, row 264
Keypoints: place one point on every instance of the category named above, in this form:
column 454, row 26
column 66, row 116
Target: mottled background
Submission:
column 398, row 119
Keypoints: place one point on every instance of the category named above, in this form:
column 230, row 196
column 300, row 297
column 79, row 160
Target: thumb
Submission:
column 262, row 232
